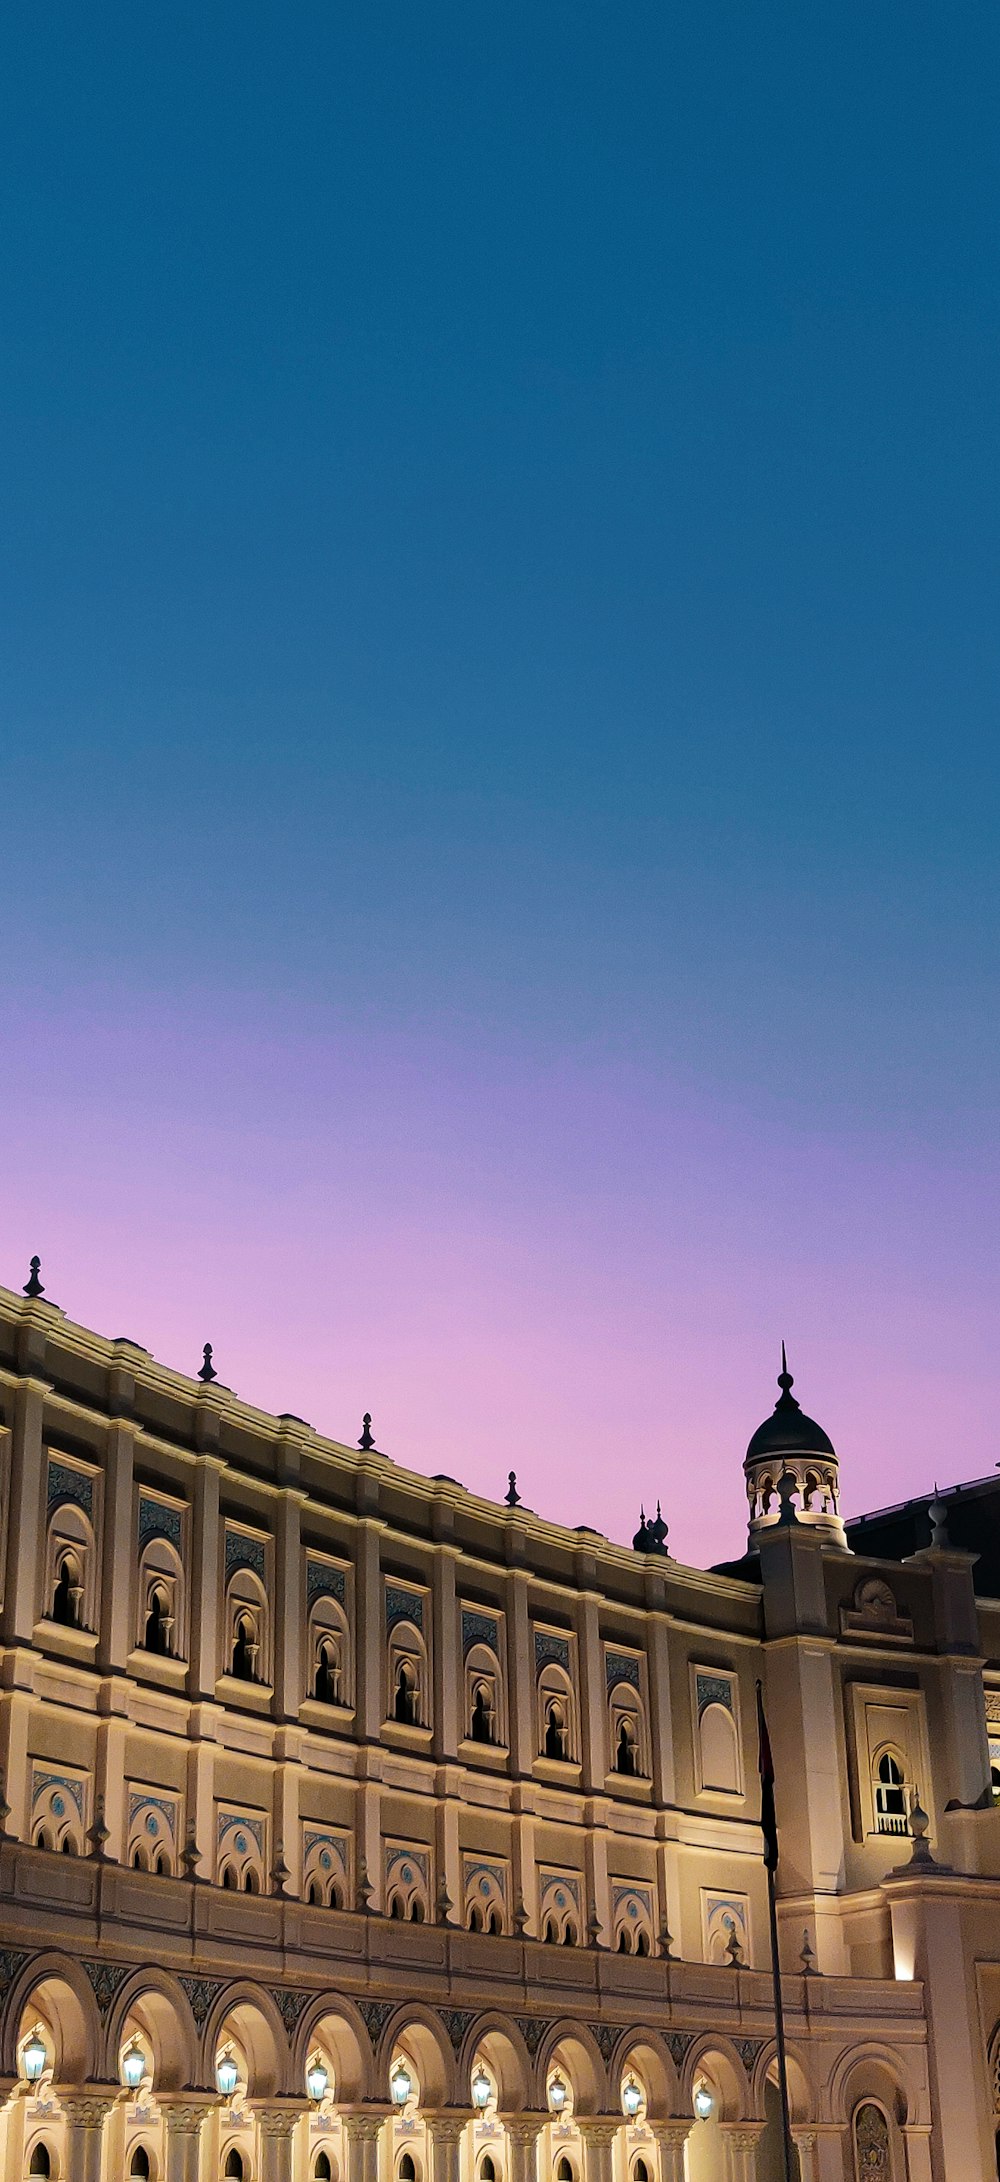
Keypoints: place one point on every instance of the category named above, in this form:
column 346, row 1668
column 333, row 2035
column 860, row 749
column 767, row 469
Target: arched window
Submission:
column 640, row 2171
column 872, row 2152
column 718, row 1748
column 140, row 2162
column 406, row 2170
column 481, row 1721
column 326, row 1687
column 487, row 2169
column 229, row 1878
column 484, row 1709
column 627, row 1722
column 40, row 2161
column 890, row 1796
column 66, row 1596
column 245, row 1649
column 556, row 1738
column 564, row 2170
column 233, row 2168
column 322, row 2171
column 328, row 1651
column 625, row 1751
column 404, row 1703
column 156, row 1635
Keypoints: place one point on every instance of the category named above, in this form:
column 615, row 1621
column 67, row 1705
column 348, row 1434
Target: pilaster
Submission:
column 670, row 2138
column 118, row 1556
column 361, row 2135
column 27, row 1512
column 206, row 1578
column 184, row 2123
column 446, row 2132
column 86, row 2113
column 599, row 2133
column 276, row 2120
column 523, row 2132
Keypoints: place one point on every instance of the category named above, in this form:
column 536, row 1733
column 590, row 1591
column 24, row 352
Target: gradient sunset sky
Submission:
column 498, row 751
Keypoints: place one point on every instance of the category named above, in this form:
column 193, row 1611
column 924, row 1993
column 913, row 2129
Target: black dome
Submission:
column 789, row 1431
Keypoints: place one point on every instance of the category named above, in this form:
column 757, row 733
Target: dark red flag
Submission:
column 768, row 1822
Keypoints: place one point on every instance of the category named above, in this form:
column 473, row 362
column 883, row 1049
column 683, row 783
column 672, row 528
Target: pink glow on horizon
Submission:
column 568, row 1271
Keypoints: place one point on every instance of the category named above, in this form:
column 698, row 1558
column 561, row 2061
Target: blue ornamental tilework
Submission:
column 478, row 1629
column 620, row 1668
column 478, row 1875
column 330, row 1847
column 558, row 1883
column 403, row 1606
column 158, row 1521
column 549, row 1647
column 255, row 1826
column 324, row 1581
column 243, row 1552
column 635, row 1900
column 714, row 1689
column 150, row 1804
column 401, row 1860
column 68, row 1484
column 62, row 1782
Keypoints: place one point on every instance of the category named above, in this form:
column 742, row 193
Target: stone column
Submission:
column 598, row 2132
column 804, row 2141
column 446, row 2132
column 86, row 2113
column 917, row 2139
column 276, row 2120
column 523, row 2132
column 361, row 2135
column 184, row 2121
column 741, row 2139
column 670, row 2138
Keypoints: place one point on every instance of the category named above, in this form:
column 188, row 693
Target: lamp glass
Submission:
column 631, row 2098
column 481, row 2088
column 401, row 2085
column 317, row 2080
column 557, row 2094
column 226, row 2075
column 34, row 2056
column 703, row 2102
column 133, row 2067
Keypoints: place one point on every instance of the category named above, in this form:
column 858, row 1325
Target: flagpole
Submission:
column 770, row 1833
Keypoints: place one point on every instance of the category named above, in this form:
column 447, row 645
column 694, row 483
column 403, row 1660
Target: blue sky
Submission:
column 499, row 574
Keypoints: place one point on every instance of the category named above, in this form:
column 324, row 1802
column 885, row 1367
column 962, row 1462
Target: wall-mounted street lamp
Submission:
column 703, row 2102
column 34, row 2056
column 631, row 2098
column 481, row 2089
column 133, row 2066
column 317, row 2080
column 227, row 2075
column 557, row 2095
column 401, row 2084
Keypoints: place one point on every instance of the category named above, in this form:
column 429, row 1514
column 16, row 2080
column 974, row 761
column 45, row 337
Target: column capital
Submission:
column 671, row 2133
column 743, row 2136
column 184, row 2112
column 599, row 2128
column 361, row 2125
column 277, row 2117
column 447, row 2127
column 523, row 2129
column 87, row 2109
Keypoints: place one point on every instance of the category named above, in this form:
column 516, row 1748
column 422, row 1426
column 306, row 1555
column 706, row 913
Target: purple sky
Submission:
column 499, row 785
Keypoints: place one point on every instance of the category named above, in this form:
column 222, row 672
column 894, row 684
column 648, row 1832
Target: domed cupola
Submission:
column 790, row 1445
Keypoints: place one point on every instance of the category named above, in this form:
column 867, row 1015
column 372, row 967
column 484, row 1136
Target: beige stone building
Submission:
column 357, row 1829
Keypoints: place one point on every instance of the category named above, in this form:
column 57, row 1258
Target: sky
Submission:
column 499, row 770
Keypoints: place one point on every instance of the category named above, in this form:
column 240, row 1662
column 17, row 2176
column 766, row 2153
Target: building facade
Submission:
column 356, row 1829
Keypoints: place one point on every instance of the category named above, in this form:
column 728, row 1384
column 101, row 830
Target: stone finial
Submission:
column 444, row 1902
column 366, row 1441
column 520, row 1916
column 208, row 1371
column 512, row 1498
column 190, row 1853
column 594, row 1926
column 806, row 1957
column 733, row 1948
column 666, row 1941
column 919, row 1824
column 33, row 1286
column 98, row 1834
column 365, row 1888
column 641, row 1540
column 937, row 1509
column 658, row 1532
column 280, row 1873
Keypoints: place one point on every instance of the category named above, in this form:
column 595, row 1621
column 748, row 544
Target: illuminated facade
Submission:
column 360, row 1830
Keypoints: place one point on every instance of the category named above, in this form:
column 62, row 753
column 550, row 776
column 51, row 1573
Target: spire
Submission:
column 786, row 1399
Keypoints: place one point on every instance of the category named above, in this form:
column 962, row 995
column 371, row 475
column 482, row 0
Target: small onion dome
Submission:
column 789, row 1431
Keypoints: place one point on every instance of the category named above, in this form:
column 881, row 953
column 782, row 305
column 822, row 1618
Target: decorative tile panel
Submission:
column 226, row 1820
column 41, row 1780
column 202, row 1993
column 550, row 1648
column 621, row 1667
column 478, row 1629
column 714, row 1689
column 66, row 1483
column 403, row 1605
column 243, row 1552
column 158, row 1521
column 324, row 1581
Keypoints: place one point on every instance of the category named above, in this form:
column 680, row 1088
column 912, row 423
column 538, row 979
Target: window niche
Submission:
column 160, row 1593
column 627, row 1730
column 407, row 1684
column 328, row 1649
column 555, row 1698
column 246, row 1622
column 484, row 1709
column 70, row 1592
column 715, row 1703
